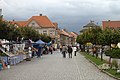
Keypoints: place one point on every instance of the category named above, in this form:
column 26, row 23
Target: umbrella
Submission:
column 48, row 44
column 40, row 42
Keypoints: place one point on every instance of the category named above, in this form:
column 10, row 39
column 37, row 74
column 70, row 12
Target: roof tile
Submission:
column 42, row 21
column 111, row 24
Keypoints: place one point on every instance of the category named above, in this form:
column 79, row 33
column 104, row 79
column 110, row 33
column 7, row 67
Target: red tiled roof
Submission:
column 74, row 34
column 111, row 24
column 59, row 31
column 65, row 33
column 20, row 23
column 42, row 21
column 55, row 24
column 71, row 35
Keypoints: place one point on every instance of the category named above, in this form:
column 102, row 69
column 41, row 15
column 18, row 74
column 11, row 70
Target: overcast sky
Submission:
column 69, row 14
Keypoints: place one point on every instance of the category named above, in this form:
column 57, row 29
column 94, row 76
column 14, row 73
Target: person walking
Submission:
column 94, row 51
column 70, row 50
column 39, row 52
column 51, row 49
column 60, row 48
column 64, row 49
column 75, row 50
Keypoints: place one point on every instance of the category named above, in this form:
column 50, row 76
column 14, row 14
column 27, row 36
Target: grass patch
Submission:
column 97, row 61
column 113, row 72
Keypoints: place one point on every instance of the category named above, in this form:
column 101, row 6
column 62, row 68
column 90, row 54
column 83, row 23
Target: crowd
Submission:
column 68, row 49
column 30, row 52
column 37, row 52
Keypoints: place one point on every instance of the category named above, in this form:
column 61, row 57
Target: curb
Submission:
column 102, row 70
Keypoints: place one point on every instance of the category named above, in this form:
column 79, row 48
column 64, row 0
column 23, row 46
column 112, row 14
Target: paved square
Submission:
column 54, row 67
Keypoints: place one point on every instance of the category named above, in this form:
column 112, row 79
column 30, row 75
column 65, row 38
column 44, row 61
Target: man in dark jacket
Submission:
column 70, row 50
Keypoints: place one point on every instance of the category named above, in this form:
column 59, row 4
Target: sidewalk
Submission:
column 54, row 67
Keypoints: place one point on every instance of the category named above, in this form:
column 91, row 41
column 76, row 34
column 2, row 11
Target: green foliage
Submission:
column 99, row 37
column 80, row 39
column 90, row 35
column 97, row 61
column 10, row 32
column 113, row 53
column 3, row 54
column 107, row 36
column 113, row 72
column 110, row 36
column 29, row 33
column 45, row 38
column 114, row 64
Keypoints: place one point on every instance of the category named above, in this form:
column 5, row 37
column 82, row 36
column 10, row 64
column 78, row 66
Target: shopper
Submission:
column 64, row 50
column 70, row 50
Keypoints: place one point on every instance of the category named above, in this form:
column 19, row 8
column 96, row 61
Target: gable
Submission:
column 33, row 23
column 42, row 21
column 19, row 23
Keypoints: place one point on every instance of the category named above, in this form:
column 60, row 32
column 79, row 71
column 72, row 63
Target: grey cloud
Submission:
column 70, row 14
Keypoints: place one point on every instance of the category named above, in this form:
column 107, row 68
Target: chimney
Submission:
column 108, row 20
column 64, row 29
column 40, row 14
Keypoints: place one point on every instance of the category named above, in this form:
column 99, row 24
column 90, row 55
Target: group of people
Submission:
column 68, row 49
column 37, row 52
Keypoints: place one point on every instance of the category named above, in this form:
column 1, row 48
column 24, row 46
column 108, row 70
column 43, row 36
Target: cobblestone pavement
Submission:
column 54, row 67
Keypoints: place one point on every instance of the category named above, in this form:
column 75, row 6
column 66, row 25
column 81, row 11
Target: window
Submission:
column 33, row 24
column 51, row 31
column 50, row 34
column 45, row 32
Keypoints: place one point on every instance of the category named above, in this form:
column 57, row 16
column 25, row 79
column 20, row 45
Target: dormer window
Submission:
column 33, row 24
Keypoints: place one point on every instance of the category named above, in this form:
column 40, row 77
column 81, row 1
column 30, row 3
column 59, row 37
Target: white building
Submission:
column 42, row 24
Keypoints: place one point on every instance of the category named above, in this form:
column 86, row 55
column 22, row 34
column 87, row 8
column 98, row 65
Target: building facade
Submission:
column 42, row 24
column 91, row 24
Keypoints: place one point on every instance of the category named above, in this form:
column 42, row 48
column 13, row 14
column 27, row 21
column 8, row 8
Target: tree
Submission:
column 113, row 53
column 80, row 39
column 111, row 37
column 10, row 32
column 90, row 35
column 95, row 34
column 45, row 38
column 29, row 33
column 107, row 34
column 7, row 30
